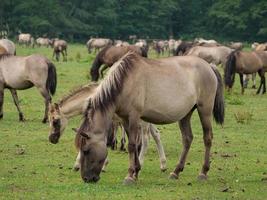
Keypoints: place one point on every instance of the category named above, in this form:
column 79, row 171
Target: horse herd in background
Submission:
column 135, row 94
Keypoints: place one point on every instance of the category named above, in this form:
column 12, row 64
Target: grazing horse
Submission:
column 75, row 104
column 242, row 62
column 183, row 47
column 43, row 42
column 159, row 91
column 215, row 55
column 159, row 47
column 109, row 55
column 20, row 73
column 97, row 44
column 9, row 46
column 60, row 46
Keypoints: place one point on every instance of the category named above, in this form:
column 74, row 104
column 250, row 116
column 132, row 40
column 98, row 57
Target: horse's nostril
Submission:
column 96, row 178
column 86, row 179
column 53, row 138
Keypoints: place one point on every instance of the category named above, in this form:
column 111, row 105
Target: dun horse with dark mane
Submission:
column 109, row 55
column 161, row 91
column 242, row 62
column 20, row 73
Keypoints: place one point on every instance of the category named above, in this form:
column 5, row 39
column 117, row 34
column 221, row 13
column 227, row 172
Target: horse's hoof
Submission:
column 202, row 177
column 163, row 169
column 1, row 116
column 75, row 168
column 253, row 87
column 173, row 176
column 129, row 181
column 44, row 120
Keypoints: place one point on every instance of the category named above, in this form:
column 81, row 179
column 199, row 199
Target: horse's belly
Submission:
column 18, row 85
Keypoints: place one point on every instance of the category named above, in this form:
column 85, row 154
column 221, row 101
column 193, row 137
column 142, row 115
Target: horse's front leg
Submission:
column 103, row 69
column 1, row 100
column 133, row 131
column 16, row 101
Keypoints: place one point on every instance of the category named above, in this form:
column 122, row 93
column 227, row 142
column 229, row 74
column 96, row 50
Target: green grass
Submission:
column 44, row 170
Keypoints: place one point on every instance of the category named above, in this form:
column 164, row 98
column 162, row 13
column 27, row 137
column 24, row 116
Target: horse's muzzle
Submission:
column 54, row 137
column 93, row 179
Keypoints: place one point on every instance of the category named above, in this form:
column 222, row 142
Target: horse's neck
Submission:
column 72, row 107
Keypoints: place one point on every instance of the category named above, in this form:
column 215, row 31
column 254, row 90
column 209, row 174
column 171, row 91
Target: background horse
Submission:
column 242, row 62
column 215, row 55
column 19, row 73
column 60, row 46
column 109, row 55
column 236, row 45
column 26, row 38
column 43, row 42
column 9, row 46
column 75, row 104
column 159, row 91
column 97, row 44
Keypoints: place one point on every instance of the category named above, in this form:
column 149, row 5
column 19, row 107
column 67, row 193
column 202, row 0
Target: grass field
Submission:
column 32, row 168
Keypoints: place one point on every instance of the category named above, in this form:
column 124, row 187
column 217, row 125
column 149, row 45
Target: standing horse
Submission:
column 109, row 55
column 9, row 46
column 242, row 62
column 26, row 38
column 75, row 104
column 60, row 46
column 161, row 91
column 215, row 55
column 20, row 73
column 97, row 44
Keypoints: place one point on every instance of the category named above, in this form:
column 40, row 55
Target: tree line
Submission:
column 77, row 20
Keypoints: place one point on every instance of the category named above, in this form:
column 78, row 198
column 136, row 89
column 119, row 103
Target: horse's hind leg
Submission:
column 16, row 101
column 262, row 83
column 156, row 136
column 205, row 118
column 47, row 98
column 187, row 138
column 1, row 100
column 254, row 80
column 144, row 146
column 241, row 83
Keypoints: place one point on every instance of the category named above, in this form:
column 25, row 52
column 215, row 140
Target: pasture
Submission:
column 33, row 168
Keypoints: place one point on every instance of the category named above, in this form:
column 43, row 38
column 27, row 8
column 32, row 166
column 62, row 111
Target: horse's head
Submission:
column 57, row 123
column 93, row 149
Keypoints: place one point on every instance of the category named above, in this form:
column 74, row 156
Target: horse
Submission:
column 9, row 46
column 201, row 40
column 172, row 46
column 23, row 72
column 120, row 43
column 215, row 55
column 236, row 45
column 183, row 47
column 109, row 55
column 158, row 91
column 43, row 42
column 97, row 44
column 242, row 62
column 26, row 38
column 159, row 47
column 75, row 104
column 60, row 46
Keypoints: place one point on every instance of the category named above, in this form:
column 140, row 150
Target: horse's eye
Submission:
column 56, row 123
column 86, row 152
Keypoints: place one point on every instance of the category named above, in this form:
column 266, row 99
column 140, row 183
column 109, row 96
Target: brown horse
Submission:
column 109, row 55
column 20, row 73
column 159, row 91
column 242, row 62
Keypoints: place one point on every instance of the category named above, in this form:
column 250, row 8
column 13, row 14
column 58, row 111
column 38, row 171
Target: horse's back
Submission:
column 170, row 87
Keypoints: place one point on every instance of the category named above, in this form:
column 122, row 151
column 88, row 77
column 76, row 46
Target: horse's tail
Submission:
column 229, row 71
column 218, row 109
column 51, row 81
column 144, row 51
column 97, row 63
